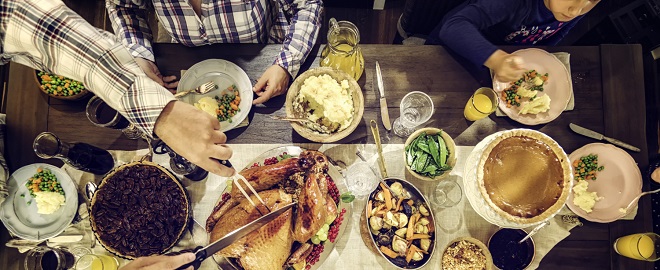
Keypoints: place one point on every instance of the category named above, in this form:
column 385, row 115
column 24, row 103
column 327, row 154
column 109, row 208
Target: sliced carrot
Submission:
column 233, row 106
column 388, row 197
column 369, row 208
column 398, row 204
column 388, row 252
column 410, row 253
column 40, row 169
column 411, row 224
column 419, row 236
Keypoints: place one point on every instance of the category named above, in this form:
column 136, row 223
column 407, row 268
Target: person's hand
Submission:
column 160, row 262
column 153, row 73
column 507, row 67
column 273, row 82
column 195, row 135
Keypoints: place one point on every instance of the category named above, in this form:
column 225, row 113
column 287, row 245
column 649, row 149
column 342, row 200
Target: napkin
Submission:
column 565, row 58
column 240, row 125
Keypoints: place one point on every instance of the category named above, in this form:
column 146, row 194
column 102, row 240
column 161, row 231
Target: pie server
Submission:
column 201, row 253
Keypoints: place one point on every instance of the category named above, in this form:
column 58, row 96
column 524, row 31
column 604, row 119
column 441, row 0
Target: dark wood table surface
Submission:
column 609, row 96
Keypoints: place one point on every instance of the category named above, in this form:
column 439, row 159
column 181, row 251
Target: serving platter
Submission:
column 224, row 74
column 19, row 213
column 558, row 86
column 475, row 196
column 337, row 178
column 618, row 183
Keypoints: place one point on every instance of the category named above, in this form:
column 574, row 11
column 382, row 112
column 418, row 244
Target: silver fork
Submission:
column 202, row 89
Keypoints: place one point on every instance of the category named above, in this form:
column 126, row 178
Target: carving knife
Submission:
column 592, row 134
column 384, row 114
column 201, row 253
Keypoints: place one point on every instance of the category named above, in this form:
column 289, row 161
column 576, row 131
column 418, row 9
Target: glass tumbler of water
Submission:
column 415, row 109
column 102, row 115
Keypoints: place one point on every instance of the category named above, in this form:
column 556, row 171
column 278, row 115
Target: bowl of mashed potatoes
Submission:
column 330, row 100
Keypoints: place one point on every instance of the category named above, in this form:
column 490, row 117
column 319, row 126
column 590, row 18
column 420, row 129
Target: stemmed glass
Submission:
column 102, row 115
column 415, row 109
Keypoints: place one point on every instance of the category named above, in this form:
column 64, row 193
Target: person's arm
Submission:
column 129, row 21
column 301, row 34
column 49, row 36
column 462, row 31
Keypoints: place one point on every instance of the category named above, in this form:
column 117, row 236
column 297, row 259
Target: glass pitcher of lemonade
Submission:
column 342, row 51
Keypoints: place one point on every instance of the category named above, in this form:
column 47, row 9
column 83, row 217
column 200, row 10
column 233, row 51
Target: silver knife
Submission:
column 592, row 134
column 383, row 102
column 201, row 253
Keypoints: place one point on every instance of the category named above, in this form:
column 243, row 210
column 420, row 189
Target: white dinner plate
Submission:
column 22, row 219
column 224, row 74
column 558, row 86
column 618, row 183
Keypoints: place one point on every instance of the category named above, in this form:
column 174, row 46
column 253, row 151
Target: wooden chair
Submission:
column 420, row 17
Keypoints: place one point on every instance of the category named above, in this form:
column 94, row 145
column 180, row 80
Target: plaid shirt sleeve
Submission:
column 302, row 33
column 129, row 21
column 49, row 36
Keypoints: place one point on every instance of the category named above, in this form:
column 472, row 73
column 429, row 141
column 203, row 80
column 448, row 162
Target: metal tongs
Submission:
column 247, row 184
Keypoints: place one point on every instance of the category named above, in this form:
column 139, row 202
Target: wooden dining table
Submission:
column 607, row 80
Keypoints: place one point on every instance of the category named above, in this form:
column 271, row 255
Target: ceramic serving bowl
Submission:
column 59, row 95
column 484, row 251
column 451, row 146
column 309, row 133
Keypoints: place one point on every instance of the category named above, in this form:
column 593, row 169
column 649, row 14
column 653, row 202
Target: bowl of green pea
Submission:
column 60, row 87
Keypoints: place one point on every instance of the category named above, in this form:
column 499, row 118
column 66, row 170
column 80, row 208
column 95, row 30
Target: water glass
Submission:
column 102, row 115
column 639, row 246
column 360, row 178
column 96, row 262
column 447, row 194
column 46, row 258
column 415, row 109
column 482, row 103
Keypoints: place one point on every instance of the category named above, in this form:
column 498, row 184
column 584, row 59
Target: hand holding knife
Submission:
column 383, row 102
column 202, row 253
column 595, row 135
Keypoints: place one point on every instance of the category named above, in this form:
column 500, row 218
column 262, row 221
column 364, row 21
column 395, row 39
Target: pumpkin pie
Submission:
column 525, row 176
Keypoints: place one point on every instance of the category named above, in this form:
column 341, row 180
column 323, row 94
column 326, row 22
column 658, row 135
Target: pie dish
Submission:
column 525, row 176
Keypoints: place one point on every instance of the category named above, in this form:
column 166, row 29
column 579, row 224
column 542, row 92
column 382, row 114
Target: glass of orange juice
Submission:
column 639, row 246
column 96, row 262
column 482, row 103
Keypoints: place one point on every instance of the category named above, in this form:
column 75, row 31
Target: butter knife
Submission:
column 384, row 114
column 592, row 134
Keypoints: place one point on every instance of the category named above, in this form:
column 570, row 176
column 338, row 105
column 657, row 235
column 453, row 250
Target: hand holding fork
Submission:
column 202, row 89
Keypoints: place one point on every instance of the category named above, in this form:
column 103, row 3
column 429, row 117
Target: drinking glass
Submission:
column 46, row 258
column 82, row 156
column 447, row 194
column 360, row 178
column 102, row 115
column 639, row 246
column 415, row 109
column 482, row 103
column 96, row 262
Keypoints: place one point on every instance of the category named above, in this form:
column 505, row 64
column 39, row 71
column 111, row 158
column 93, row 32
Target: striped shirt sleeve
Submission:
column 129, row 21
column 49, row 36
column 301, row 34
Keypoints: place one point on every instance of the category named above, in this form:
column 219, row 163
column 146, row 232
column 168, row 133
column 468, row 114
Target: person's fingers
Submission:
column 220, row 151
column 171, row 262
column 218, row 137
column 265, row 96
column 517, row 62
column 171, row 86
column 214, row 166
column 169, row 79
column 261, row 83
column 144, row 261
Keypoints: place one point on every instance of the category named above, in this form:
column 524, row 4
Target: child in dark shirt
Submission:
column 471, row 29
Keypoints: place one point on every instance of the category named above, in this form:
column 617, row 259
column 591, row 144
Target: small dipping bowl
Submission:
column 507, row 252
